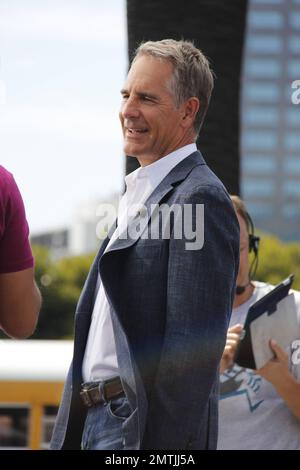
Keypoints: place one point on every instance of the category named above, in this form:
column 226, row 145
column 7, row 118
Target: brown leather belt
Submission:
column 95, row 393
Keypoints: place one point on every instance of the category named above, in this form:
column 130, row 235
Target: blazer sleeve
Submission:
column 199, row 302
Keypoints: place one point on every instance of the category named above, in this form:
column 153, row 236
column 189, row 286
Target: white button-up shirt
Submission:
column 100, row 358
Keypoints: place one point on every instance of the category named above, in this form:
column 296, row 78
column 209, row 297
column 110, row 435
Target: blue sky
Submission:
column 62, row 65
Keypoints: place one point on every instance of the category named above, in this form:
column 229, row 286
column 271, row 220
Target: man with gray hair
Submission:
column 151, row 322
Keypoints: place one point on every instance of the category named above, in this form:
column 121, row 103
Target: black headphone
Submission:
column 253, row 247
column 253, row 239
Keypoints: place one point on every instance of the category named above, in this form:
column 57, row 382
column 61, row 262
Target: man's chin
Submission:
column 130, row 155
column 130, row 151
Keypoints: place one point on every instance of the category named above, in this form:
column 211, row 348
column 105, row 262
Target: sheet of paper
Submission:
column 282, row 326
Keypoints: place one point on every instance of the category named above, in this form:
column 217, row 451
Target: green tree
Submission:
column 277, row 260
column 60, row 283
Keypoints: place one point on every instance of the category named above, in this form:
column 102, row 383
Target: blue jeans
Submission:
column 103, row 425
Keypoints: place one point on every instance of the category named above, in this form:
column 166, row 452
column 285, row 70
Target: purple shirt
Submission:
column 15, row 251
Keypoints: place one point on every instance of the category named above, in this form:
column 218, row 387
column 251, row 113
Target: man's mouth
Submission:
column 135, row 130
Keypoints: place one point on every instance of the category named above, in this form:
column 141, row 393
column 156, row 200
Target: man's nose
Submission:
column 130, row 109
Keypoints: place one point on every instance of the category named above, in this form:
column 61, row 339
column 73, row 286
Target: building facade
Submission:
column 83, row 236
column 270, row 150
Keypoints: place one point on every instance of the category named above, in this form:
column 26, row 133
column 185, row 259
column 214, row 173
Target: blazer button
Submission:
column 189, row 444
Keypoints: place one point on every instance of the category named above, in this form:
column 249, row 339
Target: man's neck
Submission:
column 242, row 298
column 145, row 160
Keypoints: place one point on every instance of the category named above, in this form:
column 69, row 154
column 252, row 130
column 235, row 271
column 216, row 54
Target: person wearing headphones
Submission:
column 258, row 409
column 20, row 299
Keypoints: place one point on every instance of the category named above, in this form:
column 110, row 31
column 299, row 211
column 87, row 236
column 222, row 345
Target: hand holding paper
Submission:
column 276, row 371
column 274, row 316
column 281, row 326
column 277, row 368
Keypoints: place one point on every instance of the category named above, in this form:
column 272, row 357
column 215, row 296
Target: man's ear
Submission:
column 190, row 110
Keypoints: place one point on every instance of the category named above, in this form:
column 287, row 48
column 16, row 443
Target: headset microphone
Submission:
column 241, row 289
column 253, row 246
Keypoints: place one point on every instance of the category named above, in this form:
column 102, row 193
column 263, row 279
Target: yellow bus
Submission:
column 32, row 375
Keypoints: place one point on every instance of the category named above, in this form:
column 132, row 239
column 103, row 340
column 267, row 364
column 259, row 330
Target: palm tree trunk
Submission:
column 217, row 27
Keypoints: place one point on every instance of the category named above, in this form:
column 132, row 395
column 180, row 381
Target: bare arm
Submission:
column 232, row 342
column 276, row 371
column 20, row 303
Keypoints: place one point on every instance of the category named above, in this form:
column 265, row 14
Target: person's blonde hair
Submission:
column 241, row 209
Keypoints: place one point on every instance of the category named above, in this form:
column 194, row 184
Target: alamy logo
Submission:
column 296, row 94
column 295, row 358
column 176, row 222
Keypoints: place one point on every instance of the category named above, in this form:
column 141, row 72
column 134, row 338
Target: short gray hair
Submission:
column 192, row 75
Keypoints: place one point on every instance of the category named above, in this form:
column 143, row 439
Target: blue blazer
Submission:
column 171, row 309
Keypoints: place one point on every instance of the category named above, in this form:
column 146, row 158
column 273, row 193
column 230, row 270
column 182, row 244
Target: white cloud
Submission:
column 73, row 23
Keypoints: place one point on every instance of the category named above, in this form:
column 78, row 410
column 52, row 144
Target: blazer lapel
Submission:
column 178, row 174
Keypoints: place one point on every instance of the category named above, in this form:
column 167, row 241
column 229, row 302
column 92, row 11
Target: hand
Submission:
column 276, row 369
column 232, row 341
